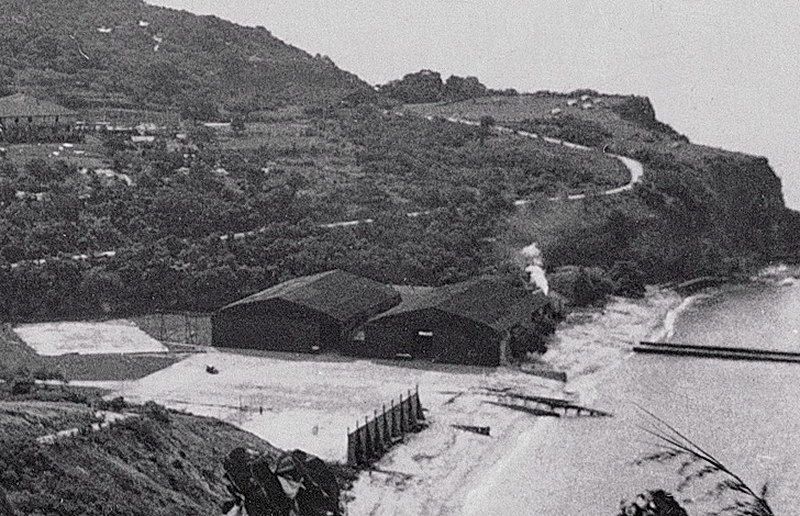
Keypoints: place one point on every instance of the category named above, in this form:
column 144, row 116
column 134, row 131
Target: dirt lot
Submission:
column 87, row 338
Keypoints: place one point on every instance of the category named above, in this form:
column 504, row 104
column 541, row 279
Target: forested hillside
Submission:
column 314, row 145
column 127, row 54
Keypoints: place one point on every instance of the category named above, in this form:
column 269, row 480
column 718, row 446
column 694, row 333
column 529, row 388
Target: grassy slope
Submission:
column 15, row 354
column 139, row 467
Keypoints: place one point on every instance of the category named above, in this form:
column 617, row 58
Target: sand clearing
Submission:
column 87, row 338
column 309, row 403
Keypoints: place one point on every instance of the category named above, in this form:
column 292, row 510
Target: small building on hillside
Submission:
column 23, row 111
column 478, row 322
column 322, row 312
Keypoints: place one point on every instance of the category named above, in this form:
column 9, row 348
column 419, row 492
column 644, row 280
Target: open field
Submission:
column 61, row 338
column 515, row 110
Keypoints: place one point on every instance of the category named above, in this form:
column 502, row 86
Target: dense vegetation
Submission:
column 341, row 157
column 428, row 86
column 159, row 463
column 282, row 177
column 127, row 54
column 697, row 211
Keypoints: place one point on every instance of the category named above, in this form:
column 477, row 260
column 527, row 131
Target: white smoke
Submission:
column 535, row 267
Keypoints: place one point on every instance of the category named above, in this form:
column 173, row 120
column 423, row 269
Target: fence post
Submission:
column 421, row 415
column 378, row 434
column 402, row 419
column 359, row 444
column 368, row 439
column 387, row 436
column 393, row 422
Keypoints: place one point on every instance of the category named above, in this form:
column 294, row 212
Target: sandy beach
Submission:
column 296, row 402
column 444, row 471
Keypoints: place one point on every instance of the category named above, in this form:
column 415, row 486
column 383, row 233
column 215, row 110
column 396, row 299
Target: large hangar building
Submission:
column 474, row 322
column 322, row 312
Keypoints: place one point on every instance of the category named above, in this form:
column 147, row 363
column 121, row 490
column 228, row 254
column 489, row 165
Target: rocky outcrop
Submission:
column 640, row 111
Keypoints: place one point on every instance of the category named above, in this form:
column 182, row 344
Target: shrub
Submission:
column 21, row 386
column 652, row 503
column 581, row 286
column 628, row 278
column 45, row 373
column 117, row 404
column 157, row 412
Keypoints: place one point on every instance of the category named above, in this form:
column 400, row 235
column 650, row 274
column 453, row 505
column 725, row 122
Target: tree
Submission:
column 698, row 465
column 485, row 129
column 5, row 505
column 628, row 278
column 460, row 88
column 414, row 88
column 238, row 126
column 163, row 77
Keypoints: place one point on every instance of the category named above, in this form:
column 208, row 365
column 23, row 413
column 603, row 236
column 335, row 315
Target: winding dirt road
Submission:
column 635, row 167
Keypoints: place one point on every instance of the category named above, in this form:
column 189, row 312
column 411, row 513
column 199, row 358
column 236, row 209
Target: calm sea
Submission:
column 747, row 414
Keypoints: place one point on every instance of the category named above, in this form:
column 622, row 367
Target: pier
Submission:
column 719, row 352
column 545, row 406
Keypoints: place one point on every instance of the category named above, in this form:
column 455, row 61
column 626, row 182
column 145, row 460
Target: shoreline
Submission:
column 589, row 345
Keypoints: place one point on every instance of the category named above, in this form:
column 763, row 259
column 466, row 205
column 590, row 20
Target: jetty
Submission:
column 719, row 352
column 545, row 406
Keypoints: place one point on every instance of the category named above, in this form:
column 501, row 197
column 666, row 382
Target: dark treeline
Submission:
column 204, row 274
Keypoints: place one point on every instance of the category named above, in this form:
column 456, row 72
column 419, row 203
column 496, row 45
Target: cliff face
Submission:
column 640, row 111
column 736, row 196
column 749, row 198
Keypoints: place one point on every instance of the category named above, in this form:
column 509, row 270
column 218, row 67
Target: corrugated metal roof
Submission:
column 21, row 104
column 495, row 302
column 336, row 293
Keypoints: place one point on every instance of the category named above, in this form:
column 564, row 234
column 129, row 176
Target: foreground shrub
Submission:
column 652, row 503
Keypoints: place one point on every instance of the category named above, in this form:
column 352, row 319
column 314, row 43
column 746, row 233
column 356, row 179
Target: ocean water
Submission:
column 747, row 414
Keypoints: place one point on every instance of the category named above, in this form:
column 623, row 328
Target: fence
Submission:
column 182, row 327
column 372, row 439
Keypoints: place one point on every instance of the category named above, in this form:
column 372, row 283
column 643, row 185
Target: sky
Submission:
column 723, row 72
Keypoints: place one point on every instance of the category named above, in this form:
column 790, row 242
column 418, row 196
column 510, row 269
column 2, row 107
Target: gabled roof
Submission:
column 490, row 301
column 21, row 104
column 338, row 294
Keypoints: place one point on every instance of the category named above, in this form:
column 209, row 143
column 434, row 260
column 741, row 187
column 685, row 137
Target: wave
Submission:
column 667, row 330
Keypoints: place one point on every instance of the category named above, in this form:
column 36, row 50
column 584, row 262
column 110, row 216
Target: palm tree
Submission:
column 697, row 464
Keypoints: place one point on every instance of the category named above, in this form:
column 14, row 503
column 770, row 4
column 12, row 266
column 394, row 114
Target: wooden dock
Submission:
column 545, row 406
column 719, row 352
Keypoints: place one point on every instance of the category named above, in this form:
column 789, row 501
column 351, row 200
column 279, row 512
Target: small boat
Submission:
column 210, row 369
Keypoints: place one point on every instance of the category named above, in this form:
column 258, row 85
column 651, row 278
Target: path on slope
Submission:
column 106, row 419
column 635, row 167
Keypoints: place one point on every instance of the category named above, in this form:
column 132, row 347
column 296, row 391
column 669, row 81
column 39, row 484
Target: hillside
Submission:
column 220, row 213
column 153, row 463
column 699, row 210
column 128, row 54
